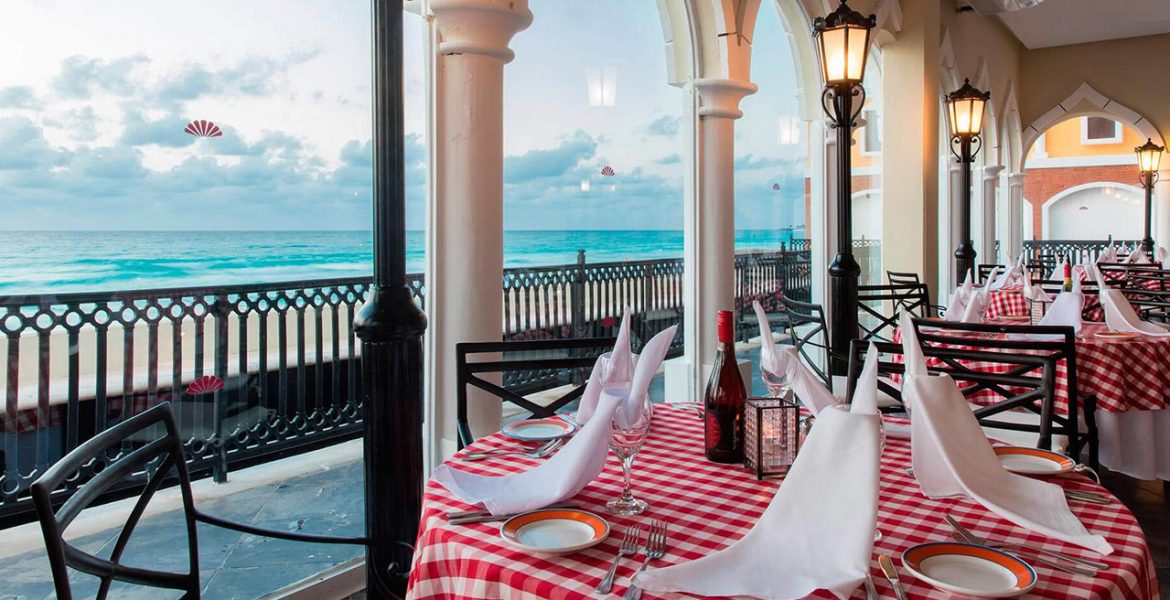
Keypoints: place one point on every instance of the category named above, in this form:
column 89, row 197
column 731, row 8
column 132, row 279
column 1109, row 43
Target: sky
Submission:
column 94, row 97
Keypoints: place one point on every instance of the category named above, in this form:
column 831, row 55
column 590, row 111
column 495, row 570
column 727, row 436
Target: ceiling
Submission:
column 1064, row 22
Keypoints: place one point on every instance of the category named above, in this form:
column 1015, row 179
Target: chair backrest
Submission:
column 983, row 271
column 144, row 451
column 810, row 335
column 514, row 356
column 874, row 322
column 1019, row 366
column 901, row 278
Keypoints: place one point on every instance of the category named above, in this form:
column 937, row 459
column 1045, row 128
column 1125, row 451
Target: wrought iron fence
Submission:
column 1049, row 252
column 78, row 363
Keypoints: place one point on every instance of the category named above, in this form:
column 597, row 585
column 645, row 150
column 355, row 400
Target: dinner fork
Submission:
column 541, row 452
column 629, row 547
column 655, row 549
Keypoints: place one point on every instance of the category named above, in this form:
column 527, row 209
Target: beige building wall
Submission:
column 1129, row 71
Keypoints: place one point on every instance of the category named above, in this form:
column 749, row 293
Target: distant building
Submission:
column 1081, row 182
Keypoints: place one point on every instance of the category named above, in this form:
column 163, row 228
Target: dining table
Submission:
column 1130, row 380
column 708, row 506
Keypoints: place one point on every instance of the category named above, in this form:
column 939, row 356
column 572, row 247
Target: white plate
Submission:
column 969, row 570
column 555, row 530
column 1033, row 461
column 538, row 430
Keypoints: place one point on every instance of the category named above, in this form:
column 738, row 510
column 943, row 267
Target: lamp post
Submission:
column 965, row 115
column 843, row 44
column 390, row 327
column 1149, row 155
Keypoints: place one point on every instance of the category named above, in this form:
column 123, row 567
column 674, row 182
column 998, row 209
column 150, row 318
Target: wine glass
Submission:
column 775, row 383
column 631, row 423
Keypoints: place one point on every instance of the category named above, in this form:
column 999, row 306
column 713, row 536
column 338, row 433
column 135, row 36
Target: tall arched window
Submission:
column 593, row 172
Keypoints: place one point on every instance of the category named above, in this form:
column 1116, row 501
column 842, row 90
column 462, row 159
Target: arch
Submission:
column 1086, row 101
column 1066, row 194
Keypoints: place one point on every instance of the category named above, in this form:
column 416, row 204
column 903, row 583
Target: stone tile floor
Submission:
column 239, row 566
column 232, row 565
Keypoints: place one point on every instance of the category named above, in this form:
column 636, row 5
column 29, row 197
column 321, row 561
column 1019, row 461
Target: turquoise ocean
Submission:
column 87, row 261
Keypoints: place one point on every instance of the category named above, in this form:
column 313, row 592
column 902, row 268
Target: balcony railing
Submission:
column 78, row 363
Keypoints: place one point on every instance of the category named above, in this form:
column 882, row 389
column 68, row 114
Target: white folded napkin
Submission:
column 809, row 388
column 957, row 306
column 768, row 358
column 1122, row 318
column 575, row 465
column 1108, row 255
column 1011, row 277
column 1137, row 257
column 612, row 370
column 1058, row 272
column 952, row 457
column 1066, row 309
column 977, row 301
column 817, row 533
column 1162, row 254
column 1034, row 293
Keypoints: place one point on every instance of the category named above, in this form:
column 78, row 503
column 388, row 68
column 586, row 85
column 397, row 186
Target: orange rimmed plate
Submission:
column 1115, row 335
column 554, row 530
column 538, row 430
column 969, row 570
column 1033, row 461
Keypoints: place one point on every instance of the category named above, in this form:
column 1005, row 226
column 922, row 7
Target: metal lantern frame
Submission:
column 1149, row 157
column 966, row 142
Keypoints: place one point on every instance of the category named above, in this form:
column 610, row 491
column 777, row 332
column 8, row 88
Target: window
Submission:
column 1100, row 130
column 872, row 140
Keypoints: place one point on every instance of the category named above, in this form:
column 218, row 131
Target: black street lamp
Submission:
column 965, row 115
column 843, row 45
column 1149, row 155
column 390, row 327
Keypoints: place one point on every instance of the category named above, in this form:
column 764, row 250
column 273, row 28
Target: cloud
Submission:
column 167, row 131
column 255, row 76
column 666, row 126
column 750, row 162
column 672, row 159
column 275, row 144
column 79, row 123
column 80, row 77
column 551, row 162
column 23, row 145
column 18, row 96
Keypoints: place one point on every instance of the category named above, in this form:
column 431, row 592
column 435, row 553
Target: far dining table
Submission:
column 1130, row 379
column 708, row 506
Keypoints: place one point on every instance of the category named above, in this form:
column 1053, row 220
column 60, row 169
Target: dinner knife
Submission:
column 891, row 573
column 489, row 518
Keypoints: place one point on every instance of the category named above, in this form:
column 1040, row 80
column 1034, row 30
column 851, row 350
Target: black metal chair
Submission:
column 900, row 278
column 810, row 334
column 156, row 456
column 566, row 356
column 983, row 271
column 1028, row 382
column 876, row 324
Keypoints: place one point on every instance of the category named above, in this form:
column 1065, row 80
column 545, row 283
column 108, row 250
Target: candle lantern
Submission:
column 771, row 434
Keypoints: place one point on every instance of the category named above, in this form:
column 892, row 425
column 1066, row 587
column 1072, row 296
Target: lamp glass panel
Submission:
column 1148, row 160
column 858, row 47
column 833, row 54
column 976, row 116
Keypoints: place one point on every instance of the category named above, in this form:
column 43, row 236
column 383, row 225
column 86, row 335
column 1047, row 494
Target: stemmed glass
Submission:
column 631, row 423
column 775, row 383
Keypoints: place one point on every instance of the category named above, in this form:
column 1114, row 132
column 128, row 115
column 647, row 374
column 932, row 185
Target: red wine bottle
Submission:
column 724, row 400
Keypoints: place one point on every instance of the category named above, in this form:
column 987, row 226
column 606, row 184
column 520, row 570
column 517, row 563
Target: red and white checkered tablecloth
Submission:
column 1124, row 374
column 708, row 506
column 1007, row 303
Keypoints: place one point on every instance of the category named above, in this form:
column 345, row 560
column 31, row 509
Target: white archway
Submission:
column 1094, row 211
column 1088, row 102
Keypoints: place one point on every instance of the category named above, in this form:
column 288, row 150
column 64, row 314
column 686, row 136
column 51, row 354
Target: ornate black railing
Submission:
column 79, row 363
column 1049, row 252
